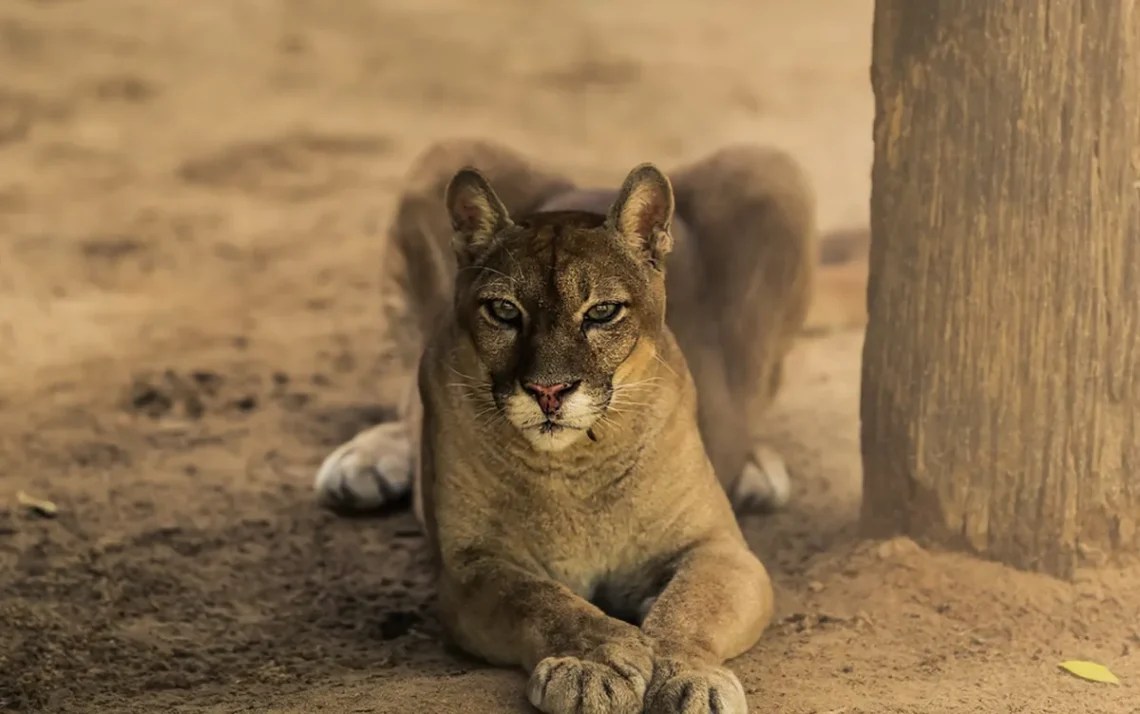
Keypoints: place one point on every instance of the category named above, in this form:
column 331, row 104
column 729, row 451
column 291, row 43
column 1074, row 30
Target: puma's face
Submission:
column 564, row 308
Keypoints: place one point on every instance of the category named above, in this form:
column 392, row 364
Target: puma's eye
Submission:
column 603, row 312
column 504, row 311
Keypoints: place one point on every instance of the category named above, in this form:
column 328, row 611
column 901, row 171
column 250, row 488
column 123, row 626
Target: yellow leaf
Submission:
column 1091, row 671
column 43, row 508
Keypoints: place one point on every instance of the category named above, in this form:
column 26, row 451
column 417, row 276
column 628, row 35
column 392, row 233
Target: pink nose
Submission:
column 549, row 396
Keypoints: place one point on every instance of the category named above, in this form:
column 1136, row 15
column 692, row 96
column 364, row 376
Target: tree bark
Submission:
column 1001, row 371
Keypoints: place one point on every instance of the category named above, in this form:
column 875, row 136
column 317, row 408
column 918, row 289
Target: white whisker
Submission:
column 657, row 356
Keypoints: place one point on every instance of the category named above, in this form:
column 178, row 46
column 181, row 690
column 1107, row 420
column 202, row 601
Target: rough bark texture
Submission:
column 1001, row 377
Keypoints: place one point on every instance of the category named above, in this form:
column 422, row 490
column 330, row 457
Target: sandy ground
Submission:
column 192, row 196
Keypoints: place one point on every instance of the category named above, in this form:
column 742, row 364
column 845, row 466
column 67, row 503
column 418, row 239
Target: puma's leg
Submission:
column 580, row 660
column 751, row 214
column 715, row 606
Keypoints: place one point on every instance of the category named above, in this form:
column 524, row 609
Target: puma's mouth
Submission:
column 550, row 435
column 556, row 429
column 553, row 426
column 554, row 423
column 550, row 427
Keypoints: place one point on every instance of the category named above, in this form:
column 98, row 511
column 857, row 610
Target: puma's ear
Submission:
column 477, row 214
column 643, row 212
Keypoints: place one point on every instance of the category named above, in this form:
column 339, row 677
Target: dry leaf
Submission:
column 43, row 508
column 1091, row 671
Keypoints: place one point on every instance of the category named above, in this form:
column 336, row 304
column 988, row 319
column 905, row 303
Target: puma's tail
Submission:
column 840, row 294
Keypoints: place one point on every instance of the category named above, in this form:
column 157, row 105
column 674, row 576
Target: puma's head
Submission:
column 563, row 308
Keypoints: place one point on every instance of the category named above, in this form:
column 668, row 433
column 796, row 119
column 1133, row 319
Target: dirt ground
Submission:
column 192, row 196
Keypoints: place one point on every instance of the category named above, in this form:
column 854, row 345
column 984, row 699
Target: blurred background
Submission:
column 165, row 160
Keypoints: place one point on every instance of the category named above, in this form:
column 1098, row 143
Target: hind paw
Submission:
column 764, row 484
column 371, row 471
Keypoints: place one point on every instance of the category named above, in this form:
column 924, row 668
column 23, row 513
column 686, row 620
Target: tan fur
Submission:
column 595, row 546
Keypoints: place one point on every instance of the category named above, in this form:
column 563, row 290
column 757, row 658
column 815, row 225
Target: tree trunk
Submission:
column 1001, row 373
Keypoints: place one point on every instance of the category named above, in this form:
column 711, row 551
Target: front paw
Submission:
column 610, row 680
column 679, row 688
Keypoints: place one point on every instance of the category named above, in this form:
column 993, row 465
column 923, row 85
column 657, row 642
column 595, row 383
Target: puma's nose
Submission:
column 550, row 396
